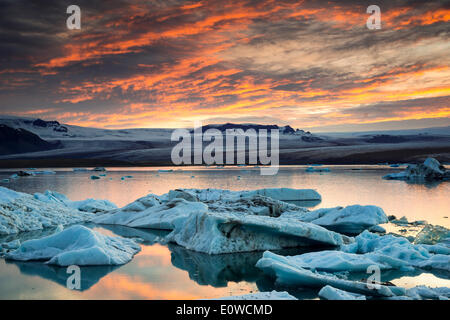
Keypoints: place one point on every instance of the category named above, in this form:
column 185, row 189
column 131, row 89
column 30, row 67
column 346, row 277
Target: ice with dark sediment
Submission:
column 20, row 212
column 430, row 170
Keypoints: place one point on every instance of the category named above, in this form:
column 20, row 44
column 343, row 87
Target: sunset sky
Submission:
column 166, row 63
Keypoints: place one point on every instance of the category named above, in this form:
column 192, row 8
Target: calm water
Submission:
column 170, row 272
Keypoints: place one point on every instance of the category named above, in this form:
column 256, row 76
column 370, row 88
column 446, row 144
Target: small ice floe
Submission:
column 274, row 295
column 314, row 169
column 349, row 220
column 80, row 170
column 330, row 293
column 5, row 180
column 99, row 169
column 46, row 172
column 23, row 212
column 77, row 245
column 165, row 171
column 14, row 176
column 430, row 170
column 431, row 234
column 88, row 205
column 126, row 177
column 26, row 173
column 95, row 178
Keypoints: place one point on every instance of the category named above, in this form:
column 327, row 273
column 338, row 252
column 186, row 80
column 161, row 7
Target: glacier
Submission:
column 77, row 245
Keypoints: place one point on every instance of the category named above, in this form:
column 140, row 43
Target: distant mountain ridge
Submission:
column 39, row 143
column 15, row 141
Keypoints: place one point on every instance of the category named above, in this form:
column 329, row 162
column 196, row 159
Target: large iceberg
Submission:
column 282, row 194
column 350, row 220
column 77, row 245
column 88, row 205
column 22, row 212
column 430, row 170
column 227, row 232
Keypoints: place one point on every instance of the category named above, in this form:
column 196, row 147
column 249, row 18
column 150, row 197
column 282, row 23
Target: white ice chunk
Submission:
column 330, row 293
column 88, row 205
column 290, row 274
column 148, row 213
column 77, row 245
column 22, row 212
column 352, row 219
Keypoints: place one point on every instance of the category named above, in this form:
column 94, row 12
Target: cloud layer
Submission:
column 154, row 63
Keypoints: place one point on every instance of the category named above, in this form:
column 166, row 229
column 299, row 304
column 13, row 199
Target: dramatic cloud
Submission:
column 144, row 63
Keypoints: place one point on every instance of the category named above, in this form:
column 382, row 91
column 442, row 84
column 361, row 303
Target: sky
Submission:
column 166, row 63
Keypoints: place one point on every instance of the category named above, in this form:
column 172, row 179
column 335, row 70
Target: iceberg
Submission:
column 312, row 169
column 289, row 274
column 21, row 212
column 431, row 234
column 349, row 220
column 430, row 170
column 398, row 252
column 148, row 213
column 77, row 245
column 227, row 232
column 88, row 205
column 330, row 293
column 285, row 194
column 274, row 295
column 282, row 194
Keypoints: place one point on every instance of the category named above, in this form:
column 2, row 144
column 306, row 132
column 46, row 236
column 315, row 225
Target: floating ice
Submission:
column 226, row 232
column 431, row 234
column 312, row 169
column 23, row 212
column 352, row 219
column 290, row 274
column 88, row 205
column 330, row 293
column 147, row 212
column 430, row 170
column 282, row 194
column 77, row 245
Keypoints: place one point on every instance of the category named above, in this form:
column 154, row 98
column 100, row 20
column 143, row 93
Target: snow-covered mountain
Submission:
column 66, row 144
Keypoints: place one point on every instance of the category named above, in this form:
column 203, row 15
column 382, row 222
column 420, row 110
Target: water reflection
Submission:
column 89, row 275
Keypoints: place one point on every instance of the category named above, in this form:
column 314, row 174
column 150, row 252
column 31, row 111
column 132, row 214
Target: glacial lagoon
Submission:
column 172, row 272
